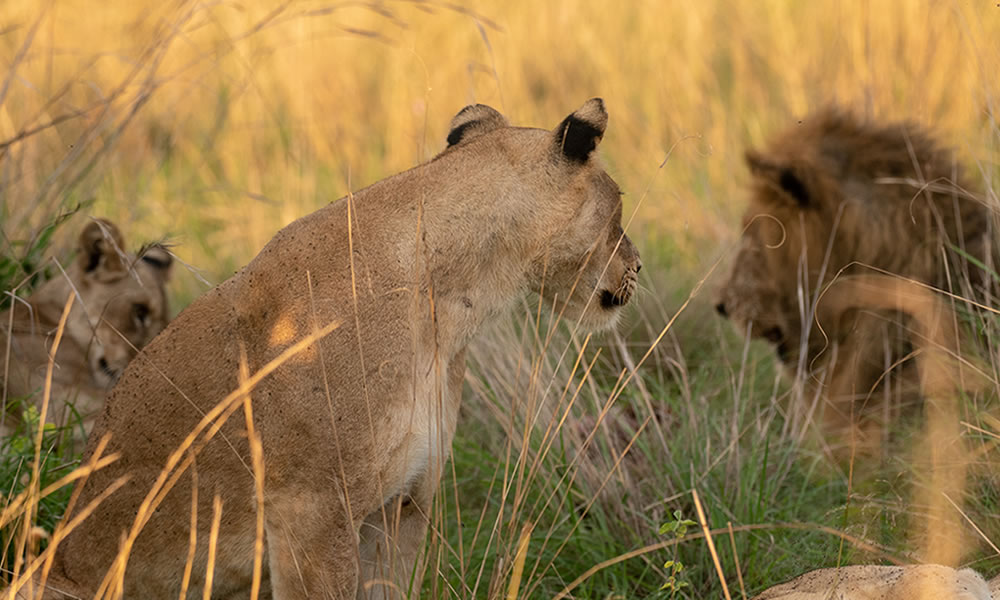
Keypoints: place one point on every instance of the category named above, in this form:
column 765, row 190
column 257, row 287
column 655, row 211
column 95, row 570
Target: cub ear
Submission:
column 101, row 246
column 158, row 257
column 579, row 133
column 788, row 178
column 474, row 120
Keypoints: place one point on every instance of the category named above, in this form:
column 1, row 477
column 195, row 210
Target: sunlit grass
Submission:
column 214, row 124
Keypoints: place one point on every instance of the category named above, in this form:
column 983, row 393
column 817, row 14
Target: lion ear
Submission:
column 158, row 257
column 579, row 133
column 100, row 248
column 787, row 178
column 472, row 121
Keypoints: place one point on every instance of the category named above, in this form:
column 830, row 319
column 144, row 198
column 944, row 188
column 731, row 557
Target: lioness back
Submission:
column 354, row 427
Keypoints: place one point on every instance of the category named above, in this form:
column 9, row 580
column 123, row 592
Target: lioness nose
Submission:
column 638, row 266
column 721, row 309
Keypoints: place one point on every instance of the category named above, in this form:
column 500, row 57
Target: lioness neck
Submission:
column 471, row 246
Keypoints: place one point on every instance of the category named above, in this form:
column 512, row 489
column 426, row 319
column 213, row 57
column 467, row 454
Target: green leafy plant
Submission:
column 677, row 529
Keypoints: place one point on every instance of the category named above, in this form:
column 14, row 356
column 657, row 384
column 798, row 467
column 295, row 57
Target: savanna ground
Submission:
column 213, row 124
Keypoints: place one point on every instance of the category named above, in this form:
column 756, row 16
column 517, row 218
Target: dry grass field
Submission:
column 212, row 124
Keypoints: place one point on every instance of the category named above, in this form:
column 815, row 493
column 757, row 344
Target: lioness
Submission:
column 121, row 304
column 835, row 194
column 354, row 429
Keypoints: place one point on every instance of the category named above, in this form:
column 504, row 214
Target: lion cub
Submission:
column 355, row 428
column 121, row 304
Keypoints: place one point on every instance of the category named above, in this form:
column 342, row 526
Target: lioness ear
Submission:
column 473, row 120
column 158, row 257
column 579, row 133
column 101, row 247
column 784, row 177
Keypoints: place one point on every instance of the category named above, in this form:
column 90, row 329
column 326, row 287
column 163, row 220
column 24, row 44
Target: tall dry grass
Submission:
column 214, row 124
column 219, row 122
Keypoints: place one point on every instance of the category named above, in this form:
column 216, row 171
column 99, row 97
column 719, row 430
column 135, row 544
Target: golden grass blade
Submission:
column 972, row 523
column 519, row 557
column 193, row 539
column 6, row 360
column 736, row 559
column 213, row 542
column 257, row 456
column 711, row 545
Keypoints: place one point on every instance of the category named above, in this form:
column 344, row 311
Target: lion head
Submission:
column 834, row 194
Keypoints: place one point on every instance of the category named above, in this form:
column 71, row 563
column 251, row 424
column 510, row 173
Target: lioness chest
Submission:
column 419, row 429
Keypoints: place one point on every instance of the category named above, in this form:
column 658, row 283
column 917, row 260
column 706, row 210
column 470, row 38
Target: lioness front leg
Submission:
column 393, row 536
column 310, row 557
column 389, row 562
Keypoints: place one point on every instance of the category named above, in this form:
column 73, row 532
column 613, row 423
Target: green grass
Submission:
column 718, row 427
column 240, row 135
column 17, row 454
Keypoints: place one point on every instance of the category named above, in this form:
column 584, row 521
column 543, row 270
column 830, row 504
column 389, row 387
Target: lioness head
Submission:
column 585, row 266
column 121, row 299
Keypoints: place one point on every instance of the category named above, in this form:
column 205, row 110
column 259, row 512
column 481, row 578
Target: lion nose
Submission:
column 721, row 309
column 774, row 335
column 777, row 337
column 638, row 266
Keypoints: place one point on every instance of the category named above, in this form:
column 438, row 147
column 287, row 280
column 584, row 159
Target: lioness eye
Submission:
column 140, row 312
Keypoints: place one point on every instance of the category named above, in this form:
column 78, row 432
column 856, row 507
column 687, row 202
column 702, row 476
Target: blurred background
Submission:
column 212, row 124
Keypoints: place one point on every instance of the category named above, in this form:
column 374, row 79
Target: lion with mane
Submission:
column 836, row 195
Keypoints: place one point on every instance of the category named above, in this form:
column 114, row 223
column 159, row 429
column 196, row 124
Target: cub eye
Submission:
column 140, row 313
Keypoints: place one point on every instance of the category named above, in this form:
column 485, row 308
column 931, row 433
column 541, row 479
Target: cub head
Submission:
column 582, row 263
column 121, row 299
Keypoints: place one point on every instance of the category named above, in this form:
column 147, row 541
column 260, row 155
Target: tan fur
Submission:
column 916, row 582
column 834, row 195
column 941, row 454
column 120, row 305
column 355, row 430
